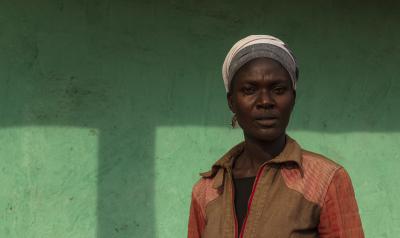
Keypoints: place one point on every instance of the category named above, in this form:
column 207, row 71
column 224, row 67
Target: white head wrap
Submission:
column 258, row 46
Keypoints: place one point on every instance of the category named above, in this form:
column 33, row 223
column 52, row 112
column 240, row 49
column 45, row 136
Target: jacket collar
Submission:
column 291, row 156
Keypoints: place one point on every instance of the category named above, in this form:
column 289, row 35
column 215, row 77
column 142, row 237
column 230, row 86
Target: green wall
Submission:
column 109, row 109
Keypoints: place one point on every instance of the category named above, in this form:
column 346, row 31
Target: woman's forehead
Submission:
column 262, row 67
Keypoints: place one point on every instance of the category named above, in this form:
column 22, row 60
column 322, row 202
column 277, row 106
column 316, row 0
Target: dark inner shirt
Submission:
column 243, row 187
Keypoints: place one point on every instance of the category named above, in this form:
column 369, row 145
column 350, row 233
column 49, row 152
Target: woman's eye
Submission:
column 249, row 90
column 279, row 90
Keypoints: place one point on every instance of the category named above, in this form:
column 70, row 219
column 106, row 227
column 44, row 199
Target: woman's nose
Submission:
column 265, row 99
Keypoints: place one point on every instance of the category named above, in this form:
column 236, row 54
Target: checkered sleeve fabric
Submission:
column 339, row 215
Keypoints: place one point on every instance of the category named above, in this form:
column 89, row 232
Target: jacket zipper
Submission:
column 248, row 204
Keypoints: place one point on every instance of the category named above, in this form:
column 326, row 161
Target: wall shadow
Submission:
column 126, row 68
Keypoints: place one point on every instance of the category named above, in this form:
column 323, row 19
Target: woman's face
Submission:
column 262, row 97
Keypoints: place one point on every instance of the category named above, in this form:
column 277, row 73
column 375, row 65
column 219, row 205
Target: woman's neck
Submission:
column 255, row 154
column 262, row 151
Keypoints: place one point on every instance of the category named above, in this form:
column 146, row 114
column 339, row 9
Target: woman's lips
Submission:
column 267, row 121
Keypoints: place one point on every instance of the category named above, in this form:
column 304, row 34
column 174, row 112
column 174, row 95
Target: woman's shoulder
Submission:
column 316, row 174
column 204, row 191
column 315, row 163
column 212, row 180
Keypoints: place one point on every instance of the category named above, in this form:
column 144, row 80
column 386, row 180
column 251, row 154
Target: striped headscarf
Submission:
column 258, row 46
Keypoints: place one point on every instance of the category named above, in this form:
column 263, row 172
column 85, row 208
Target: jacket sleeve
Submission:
column 339, row 216
column 196, row 219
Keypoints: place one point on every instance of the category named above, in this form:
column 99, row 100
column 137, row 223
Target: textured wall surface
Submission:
column 109, row 109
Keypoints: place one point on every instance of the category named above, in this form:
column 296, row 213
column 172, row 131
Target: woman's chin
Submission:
column 266, row 134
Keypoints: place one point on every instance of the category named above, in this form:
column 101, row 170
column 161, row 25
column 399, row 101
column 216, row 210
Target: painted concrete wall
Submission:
column 109, row 109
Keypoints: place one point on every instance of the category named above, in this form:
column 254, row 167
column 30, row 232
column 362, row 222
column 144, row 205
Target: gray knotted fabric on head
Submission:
column 258, row 46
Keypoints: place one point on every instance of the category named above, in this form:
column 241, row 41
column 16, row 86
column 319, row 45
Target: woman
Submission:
column 267, row 186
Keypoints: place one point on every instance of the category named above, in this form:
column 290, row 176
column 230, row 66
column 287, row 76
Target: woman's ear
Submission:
column 229, row 99
column 294, row 98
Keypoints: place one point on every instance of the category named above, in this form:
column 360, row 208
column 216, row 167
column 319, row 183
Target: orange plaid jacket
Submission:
column 297, row 194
